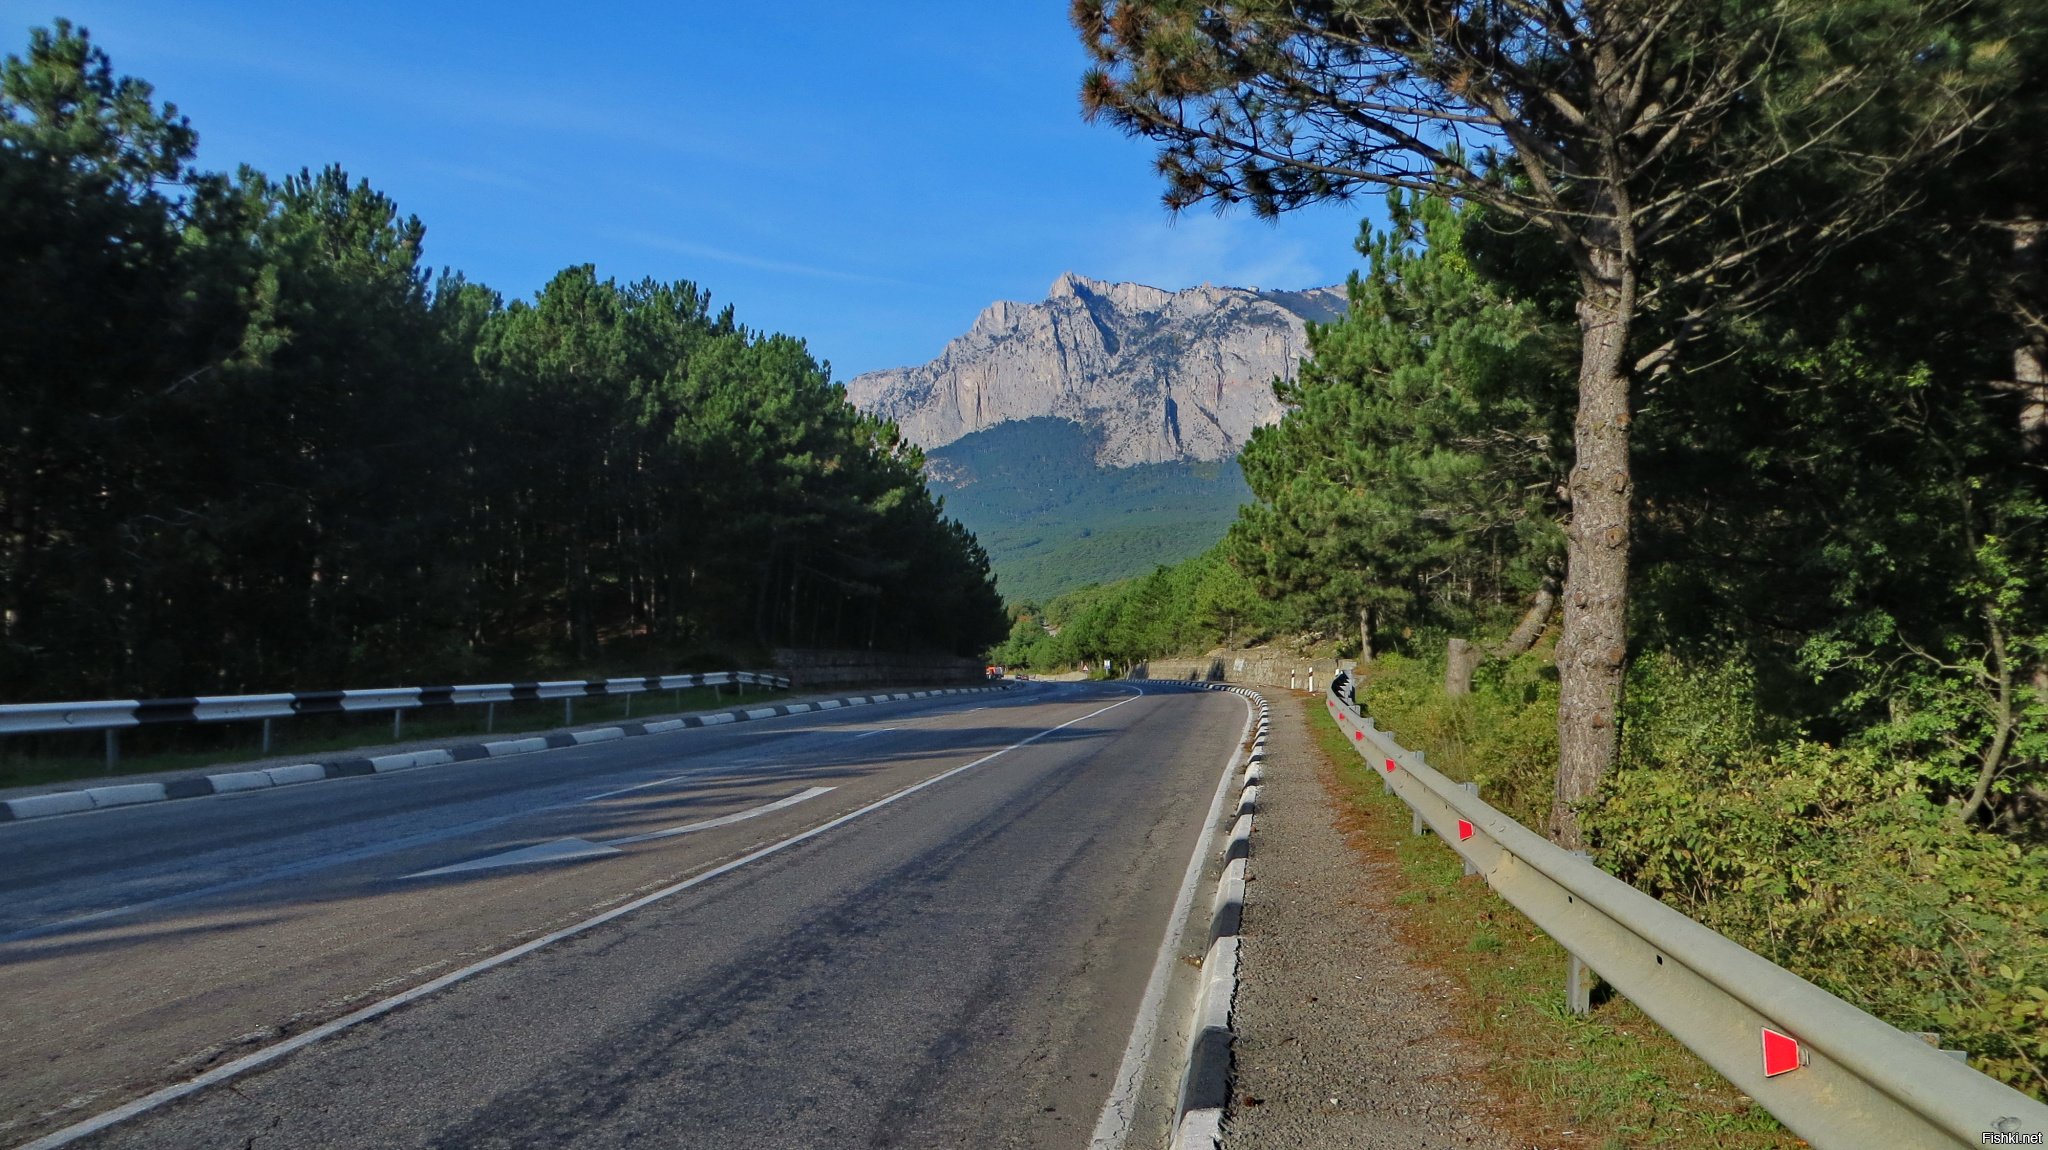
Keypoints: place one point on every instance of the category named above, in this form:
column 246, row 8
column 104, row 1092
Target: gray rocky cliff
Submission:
column 1160, row 375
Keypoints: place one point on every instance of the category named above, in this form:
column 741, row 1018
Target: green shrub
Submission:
column 1832, row 863
column 1502, row 736
column 1829, row 861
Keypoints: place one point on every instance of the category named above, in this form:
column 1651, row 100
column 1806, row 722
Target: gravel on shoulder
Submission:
column 1343, row 1042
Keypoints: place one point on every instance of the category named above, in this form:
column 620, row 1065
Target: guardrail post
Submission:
column 490, row 717
column 1578, row 986
column 629, row 706
column 397, row 725
column 113, row 749
column 568, row 711
column 1578, row 980
column 266, row 736
column 1414, row 822
column 1934, row 1040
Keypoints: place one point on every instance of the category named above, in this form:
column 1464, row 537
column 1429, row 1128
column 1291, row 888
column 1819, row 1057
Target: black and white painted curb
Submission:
column 1205, row 1089
column 129, row 794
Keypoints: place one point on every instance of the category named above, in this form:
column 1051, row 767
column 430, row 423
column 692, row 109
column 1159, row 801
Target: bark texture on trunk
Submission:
column 1593, row 649
column 1460, row 660
column 2030, row 357
column 1364, row 635
column 1530, row 629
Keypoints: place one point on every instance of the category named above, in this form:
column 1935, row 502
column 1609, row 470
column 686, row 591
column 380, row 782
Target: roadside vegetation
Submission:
column 1739, row 581
column 1607, row 1080
column 253, row 442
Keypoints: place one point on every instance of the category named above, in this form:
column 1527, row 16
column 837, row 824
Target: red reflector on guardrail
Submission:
column 1464, row 830
column 1390, row 766
column 1781, row 1053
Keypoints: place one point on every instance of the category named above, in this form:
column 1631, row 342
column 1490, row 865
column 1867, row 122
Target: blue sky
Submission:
column 866, row 176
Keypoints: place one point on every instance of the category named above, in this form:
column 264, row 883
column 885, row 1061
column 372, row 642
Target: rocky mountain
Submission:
column 1155, row 376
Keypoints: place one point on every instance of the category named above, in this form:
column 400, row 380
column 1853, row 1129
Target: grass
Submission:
column 33, row 760
column 1608, row 1080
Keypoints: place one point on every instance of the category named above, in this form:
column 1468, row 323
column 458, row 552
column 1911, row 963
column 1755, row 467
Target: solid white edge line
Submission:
column 269, row 1054
column 1113, row 1126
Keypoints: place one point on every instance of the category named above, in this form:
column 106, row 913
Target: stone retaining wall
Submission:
column 810, row 668
column 1258, row 668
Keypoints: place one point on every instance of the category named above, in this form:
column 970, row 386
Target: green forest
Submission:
column 1680, row 471
column 1053, row 521
column 253, row 442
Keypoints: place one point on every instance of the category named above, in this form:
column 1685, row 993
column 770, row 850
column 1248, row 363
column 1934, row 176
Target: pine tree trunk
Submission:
column 1364, row 635
column 1461, row 659
column 2030, row 356
column 1593, row 649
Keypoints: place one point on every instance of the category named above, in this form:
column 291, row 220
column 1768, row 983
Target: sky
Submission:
column 868, row 176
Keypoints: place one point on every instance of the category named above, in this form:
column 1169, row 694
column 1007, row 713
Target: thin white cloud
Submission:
column 1235, row 251
column 741, row 259
column 470, row 174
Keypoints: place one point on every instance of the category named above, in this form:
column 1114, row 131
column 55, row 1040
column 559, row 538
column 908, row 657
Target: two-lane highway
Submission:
column 912, row 924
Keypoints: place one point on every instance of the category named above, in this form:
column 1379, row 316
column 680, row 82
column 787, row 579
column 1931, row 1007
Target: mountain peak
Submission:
column 1156, row 375
column 1070, row 284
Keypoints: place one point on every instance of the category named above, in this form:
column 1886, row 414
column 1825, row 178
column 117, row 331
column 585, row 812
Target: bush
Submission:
column 1832, row 863
column 1828, row 861
column 1502, row 736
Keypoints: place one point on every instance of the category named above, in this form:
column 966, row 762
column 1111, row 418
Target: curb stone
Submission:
column 229, row 782
column 1205, row 1087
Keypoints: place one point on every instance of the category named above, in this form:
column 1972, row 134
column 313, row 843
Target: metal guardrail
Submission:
column 1834, row 1075
column 115, row 714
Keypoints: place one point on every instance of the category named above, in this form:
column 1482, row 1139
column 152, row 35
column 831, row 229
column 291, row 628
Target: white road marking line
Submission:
column 574, row 849
column 883, row 731
column 722, row 820
column 269, row 1054
column 655, row 783
column 561, row 850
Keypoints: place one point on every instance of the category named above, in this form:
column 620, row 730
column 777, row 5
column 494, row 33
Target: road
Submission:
column 921, row 924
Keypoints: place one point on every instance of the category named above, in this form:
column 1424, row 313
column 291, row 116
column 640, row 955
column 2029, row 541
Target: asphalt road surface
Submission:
column 954, row 965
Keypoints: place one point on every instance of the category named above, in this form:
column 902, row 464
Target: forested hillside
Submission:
column 251, row 442
column 1053, row 521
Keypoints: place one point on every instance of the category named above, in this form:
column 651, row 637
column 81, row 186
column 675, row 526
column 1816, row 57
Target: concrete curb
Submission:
column 1205, row 1088
column 229, row 782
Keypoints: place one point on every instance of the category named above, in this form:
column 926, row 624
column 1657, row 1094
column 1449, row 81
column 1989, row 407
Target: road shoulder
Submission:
column 1343, row 1041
